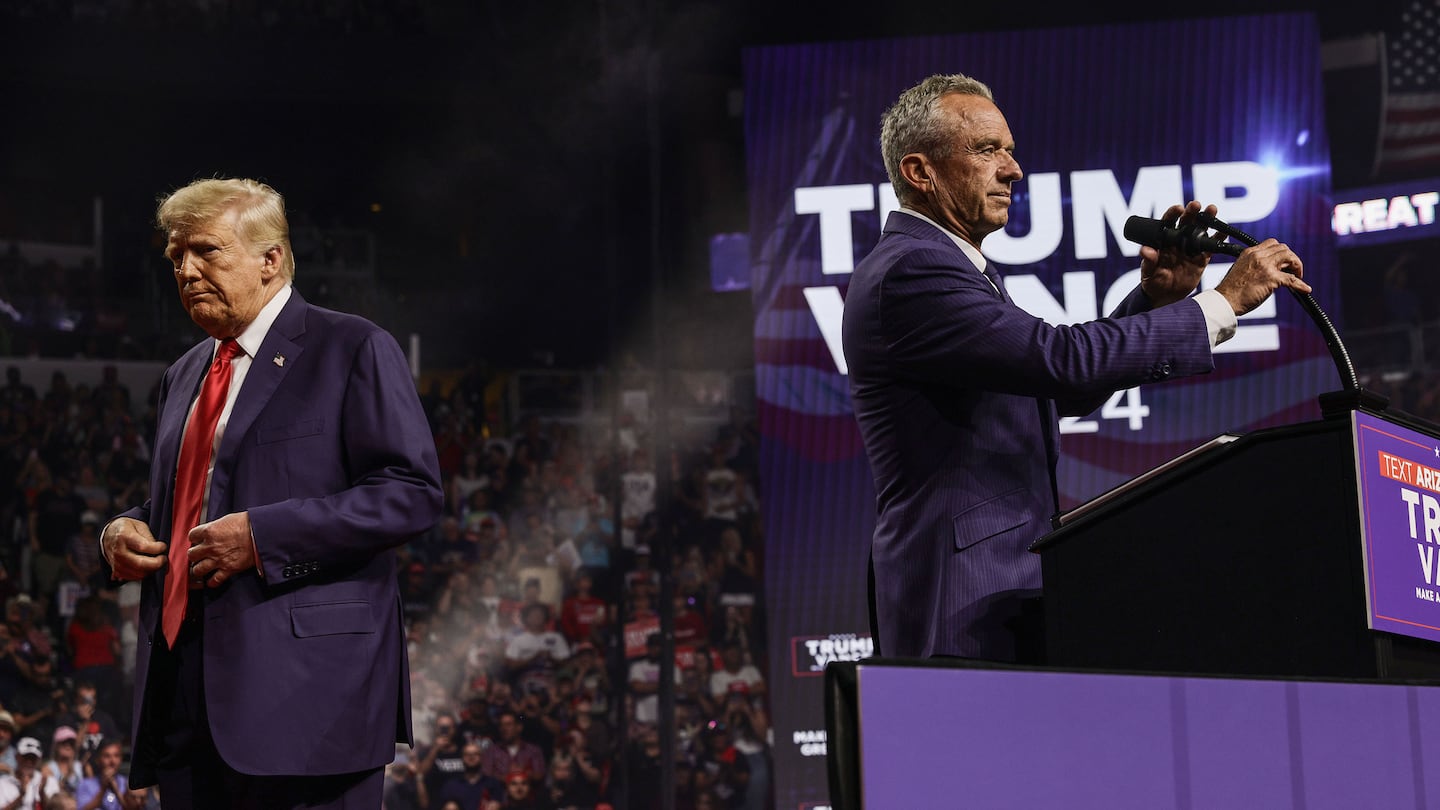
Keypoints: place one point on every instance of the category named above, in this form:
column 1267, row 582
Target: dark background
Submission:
column 540, row 177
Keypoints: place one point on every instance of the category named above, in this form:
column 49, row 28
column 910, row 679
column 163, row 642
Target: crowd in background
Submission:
column 75, row 457
column 534, row 627
column 531, row 608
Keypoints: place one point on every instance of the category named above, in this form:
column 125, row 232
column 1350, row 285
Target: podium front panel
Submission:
column 1246, row 561
column 953, row 734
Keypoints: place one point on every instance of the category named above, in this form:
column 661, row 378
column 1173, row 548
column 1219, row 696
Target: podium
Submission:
column 1250, row 557
column 958, row 733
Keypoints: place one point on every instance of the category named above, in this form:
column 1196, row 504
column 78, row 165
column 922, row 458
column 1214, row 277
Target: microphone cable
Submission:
column 1343, row 364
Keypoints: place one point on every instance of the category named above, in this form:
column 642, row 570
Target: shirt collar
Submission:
column 971, row 252
column 255, row 333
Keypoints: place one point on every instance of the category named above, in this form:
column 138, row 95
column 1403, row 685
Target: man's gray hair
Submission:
column 913, row 123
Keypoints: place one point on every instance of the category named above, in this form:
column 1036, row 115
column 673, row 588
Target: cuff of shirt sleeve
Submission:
column 1219, row 316
column 255, row 550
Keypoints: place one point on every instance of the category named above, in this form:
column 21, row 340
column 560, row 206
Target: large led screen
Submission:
column 1109, row 121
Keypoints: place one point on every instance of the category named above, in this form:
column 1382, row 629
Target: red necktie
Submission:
column 190, row 484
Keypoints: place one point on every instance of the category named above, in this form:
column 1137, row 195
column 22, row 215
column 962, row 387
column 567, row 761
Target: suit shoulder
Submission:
column 899, row 252
column 344, row 326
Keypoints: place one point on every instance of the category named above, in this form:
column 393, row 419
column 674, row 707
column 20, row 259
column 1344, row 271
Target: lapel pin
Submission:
column 279, row 360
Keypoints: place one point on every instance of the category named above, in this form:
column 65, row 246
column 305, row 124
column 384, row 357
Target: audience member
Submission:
column 65, row 765
column 474, row 785
column 92, row 724
column 510, row 752
column 404, row 789
column 82, row 558
column 28, row 786
column 644, row 681
column 532, row 653
column 54, row 522
column 442, row 760
column 38, row 701
column 108, row 788
column 93, row 644
column 7, row 749
column 520, row 793
column 584, row 615
column 736, row 673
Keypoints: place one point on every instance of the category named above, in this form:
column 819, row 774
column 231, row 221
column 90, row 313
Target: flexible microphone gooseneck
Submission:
column 1193, row 239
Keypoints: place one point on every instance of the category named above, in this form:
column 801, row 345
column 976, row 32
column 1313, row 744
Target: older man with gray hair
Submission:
column 957, row 390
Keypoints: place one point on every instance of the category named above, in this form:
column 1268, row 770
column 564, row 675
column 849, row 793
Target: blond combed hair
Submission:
column 259, row 208
column 914, row 124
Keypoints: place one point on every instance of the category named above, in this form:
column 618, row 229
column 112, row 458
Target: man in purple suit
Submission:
column 957, row 390
column 274, row 675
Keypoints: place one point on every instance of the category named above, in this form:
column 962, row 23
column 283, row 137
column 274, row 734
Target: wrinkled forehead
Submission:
column 975, row 115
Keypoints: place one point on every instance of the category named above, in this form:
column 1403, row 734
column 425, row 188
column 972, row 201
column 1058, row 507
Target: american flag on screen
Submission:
column 1410, row 133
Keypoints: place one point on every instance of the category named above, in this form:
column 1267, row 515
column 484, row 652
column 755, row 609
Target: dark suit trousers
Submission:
column 191, row 773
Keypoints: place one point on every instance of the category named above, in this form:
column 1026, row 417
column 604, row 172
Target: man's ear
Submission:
column 274, row 259
column 916, row 171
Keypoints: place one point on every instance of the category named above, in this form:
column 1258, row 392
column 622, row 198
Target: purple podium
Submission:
column 908, row 734
column 1306, row 550
column 1254, row 624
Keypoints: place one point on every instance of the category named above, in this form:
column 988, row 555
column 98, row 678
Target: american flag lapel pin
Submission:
column 279, row 360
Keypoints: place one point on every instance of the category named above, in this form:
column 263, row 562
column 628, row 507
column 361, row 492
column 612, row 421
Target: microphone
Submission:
column 1192, row 239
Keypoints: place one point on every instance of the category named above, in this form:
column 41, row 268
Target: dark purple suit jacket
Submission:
column 329, row 450
column 956, row 393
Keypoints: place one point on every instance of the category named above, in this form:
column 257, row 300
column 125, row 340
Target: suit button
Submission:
column 286, row 572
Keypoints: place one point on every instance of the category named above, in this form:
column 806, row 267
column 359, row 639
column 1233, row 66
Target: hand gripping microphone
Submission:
column 1194, row 239
column 1191, row 240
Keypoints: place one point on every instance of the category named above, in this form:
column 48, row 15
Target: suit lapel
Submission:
column 275, row 359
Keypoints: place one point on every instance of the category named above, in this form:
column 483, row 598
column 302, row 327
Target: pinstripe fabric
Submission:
column 953, row 389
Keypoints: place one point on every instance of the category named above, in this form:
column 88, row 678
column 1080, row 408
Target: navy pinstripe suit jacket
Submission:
column 956, row 392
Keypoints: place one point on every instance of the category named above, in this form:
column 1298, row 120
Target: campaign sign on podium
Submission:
column 1399, row 474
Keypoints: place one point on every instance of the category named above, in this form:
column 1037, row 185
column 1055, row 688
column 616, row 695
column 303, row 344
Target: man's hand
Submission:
column 132, row 550
column 1260, row 271
column 134, row 798
column 1169, row 275
column 221, row 549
